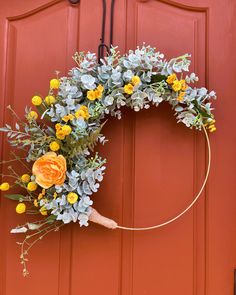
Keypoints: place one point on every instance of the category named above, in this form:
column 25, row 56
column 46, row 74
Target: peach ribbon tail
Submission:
column 102, row 220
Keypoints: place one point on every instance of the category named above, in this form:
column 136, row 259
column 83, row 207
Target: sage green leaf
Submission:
column 51, row 219
column 33, row 226
column 15, row 197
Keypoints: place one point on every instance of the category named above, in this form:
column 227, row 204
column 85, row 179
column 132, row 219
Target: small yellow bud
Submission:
column 36, row 100
column 128, row 88
column 4, row 186
column 43, row 211
column 20, row 208
column 25, row 178
column 212, row 129
column 36, row 204
column 54, row 146
column 32, row 115
column 32, row 186
column 212, row 121
column 50, row 99
column 40, row 196
column 54, row 84
column 135, row 80
column 72, row 198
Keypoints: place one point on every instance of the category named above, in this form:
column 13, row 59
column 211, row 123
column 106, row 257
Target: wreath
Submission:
column 61, row 169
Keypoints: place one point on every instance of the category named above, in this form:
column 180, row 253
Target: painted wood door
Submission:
column 154, row 165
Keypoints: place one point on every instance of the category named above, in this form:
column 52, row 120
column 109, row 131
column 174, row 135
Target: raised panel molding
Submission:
column 35, row 45
column 175, row 29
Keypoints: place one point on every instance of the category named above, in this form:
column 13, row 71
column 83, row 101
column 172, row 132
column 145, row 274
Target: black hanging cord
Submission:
column 102, row 44
column 112, row 22
column 104, row 7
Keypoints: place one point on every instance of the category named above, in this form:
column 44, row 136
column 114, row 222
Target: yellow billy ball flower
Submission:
column 177, row 85
column 135, row 80
column 25, row 178
column 171, row 78
column 128, row 88
column 50, row 99
column 32, row 115
column 36, row 100
column 54, row 84
column 66, row 129
column 20, row 208
column 32, row 186
column 72, row 198
column 4, row 186
column 91, row 95
column 54, row 146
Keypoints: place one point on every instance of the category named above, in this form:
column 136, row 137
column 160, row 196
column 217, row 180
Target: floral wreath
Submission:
column 61, row 169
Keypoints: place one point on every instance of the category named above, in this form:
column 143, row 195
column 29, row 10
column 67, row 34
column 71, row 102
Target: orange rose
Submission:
column 50, row 170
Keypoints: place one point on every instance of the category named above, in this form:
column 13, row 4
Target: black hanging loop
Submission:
column 102, row 44
column 101, row 51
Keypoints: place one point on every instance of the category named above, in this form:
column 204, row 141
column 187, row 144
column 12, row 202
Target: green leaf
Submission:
column 51, row 219
column 158, row 78
column 41, row 109
column 15, row 197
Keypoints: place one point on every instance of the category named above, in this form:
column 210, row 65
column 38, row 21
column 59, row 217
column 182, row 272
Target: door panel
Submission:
column 39, row 38
column 169, row 160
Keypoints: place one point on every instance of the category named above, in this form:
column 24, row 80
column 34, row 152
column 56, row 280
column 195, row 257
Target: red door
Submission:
column 154, row 165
